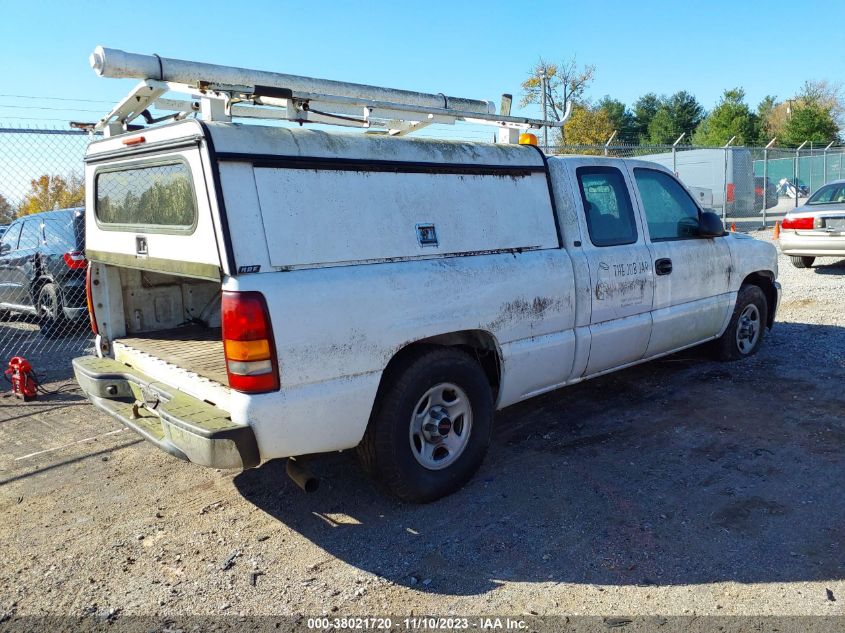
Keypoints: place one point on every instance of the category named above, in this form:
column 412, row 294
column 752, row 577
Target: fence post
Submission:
column 796, row 170
column 824, row 178
column 675, row 153
column 766, row 177
column 725, row 201
column 609, row 141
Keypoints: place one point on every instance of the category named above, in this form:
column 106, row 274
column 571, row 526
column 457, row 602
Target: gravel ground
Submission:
column 679, row 487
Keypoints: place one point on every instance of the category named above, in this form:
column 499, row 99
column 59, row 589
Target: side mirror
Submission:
column 710, row 225
column 5, row 248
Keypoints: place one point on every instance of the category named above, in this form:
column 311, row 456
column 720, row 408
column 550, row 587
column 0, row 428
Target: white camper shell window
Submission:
column 153, row 196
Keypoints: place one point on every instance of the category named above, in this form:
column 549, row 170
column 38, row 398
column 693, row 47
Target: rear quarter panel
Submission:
column 337, row 328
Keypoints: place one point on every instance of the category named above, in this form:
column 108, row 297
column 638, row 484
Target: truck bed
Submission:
column 194, row 348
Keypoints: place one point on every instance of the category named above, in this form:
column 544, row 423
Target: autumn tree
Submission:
column 588, row 126
column 53, row 192
column 730, row 118
column 565, row 82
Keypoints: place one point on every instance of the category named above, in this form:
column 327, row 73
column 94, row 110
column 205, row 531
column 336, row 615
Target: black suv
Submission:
column 42, row 270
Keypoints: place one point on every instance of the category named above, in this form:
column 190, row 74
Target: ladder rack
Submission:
column 220, row 93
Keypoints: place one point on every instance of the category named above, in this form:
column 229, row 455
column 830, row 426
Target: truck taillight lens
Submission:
column 797, row 223
column 75, row 259
column 731, row 192
column 91, row 316
column 248, row 342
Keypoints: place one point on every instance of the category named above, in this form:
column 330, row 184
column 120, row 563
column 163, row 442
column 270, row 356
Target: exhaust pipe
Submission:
column 301, row 476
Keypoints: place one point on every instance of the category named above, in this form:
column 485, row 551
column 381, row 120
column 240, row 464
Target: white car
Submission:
column 816, row 228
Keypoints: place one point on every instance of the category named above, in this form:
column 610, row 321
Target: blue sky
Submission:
column 462, row 48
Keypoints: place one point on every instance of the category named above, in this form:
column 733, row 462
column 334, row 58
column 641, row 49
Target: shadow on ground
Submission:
column 833, row 268
column 680, row 471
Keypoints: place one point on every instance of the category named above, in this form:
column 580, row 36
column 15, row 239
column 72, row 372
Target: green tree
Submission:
column 565, row 82
column 621, row 118
column 588, row 126
column 809, row 122
column 767, row 115
column 53, row 192
column 645, row 108
column 677, row 114
column 7, row 213
column 730, row 118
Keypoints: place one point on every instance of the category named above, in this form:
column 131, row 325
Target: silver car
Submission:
column 816, row 228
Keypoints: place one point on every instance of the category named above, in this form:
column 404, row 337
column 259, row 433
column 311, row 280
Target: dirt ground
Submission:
column 680, row 487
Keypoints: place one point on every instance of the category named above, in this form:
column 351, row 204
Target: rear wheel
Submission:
column 51, row 318
column 747, row 327
column 430, row 428
column 802, row 262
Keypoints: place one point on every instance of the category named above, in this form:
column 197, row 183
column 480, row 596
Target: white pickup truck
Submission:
column 261, row 292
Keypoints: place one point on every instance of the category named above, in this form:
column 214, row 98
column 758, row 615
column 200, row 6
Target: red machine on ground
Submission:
column 24, row 383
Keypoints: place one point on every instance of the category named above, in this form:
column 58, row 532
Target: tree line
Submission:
column 811, row 115
column 46, row 193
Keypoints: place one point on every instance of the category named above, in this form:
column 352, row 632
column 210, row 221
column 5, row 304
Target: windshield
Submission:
column 829, row 194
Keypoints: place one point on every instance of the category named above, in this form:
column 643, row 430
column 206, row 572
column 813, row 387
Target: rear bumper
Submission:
column 72, row 314
column 815, row 245
column 177, row 423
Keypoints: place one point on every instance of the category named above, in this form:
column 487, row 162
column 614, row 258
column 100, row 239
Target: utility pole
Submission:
column 544, row 83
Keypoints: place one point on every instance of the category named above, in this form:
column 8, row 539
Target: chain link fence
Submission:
column 750, row 187
column 43, row 313
column 43, row 307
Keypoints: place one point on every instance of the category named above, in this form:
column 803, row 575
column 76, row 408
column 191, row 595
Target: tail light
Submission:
column 75, row 260
column 92, row 317
column 800, row 223
column 248, row 342
column 731, row 189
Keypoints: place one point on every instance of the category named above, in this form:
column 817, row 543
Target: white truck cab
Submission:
column 262, row 292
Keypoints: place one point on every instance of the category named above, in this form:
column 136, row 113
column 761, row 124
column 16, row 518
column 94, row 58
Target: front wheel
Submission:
column 431, row 426
column 802, row 262
column 747, row 327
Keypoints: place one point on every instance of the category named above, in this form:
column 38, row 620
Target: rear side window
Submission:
column 607, row 205
column 62, row 234
column 30, row 235
column 669, row 210
column 152, row 196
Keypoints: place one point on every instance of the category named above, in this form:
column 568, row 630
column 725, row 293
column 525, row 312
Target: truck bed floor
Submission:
column 194, row 348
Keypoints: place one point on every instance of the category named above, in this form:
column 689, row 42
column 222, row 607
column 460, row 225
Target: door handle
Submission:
column 663, row 266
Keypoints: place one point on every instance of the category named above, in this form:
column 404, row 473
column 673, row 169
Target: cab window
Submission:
column 607, row 206
column 669, row 210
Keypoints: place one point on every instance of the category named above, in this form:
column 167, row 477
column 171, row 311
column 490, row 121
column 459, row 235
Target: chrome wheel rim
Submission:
column 748, row 329
column 441, row 424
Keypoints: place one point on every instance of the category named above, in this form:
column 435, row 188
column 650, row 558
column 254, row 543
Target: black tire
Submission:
column 802, row 262
column 728, row 346
column 48, row 305
column 387, row 451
